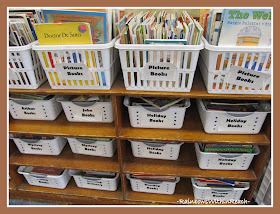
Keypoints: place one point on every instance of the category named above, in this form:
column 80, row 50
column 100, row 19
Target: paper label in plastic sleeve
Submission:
column 73, row 71
column 163, row 71
column 247, row 78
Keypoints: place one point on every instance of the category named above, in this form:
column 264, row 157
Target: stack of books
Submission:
column 204, row 182
column 159, row 103
column 226, row 148
column 31, row 96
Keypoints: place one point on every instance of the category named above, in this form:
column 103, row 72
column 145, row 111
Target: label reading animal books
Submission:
column 73, row 71
column 247, row 78
column 234, row 124
column 163, row 71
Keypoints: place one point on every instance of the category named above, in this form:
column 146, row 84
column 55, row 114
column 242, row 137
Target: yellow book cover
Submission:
column 68, row 33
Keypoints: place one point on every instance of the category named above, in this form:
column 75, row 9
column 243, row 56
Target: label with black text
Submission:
column 164, row 71
column 73, row 71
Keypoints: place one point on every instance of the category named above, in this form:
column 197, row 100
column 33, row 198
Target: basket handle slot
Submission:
column 151, row 144
column 86, row 141
column 38, row 176
column 30, row 140
column 229, row 155
column 85, row 104
column 222, row 190
column 91, row 178
column 151, row 182
column 243, row 114
column 154, row 109
column 23, row 102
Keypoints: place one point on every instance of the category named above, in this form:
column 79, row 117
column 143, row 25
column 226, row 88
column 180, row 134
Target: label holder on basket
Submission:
column 72, row 71
column 162, row 71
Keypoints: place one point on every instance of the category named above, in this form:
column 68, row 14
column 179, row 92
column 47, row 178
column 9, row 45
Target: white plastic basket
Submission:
column 41, row 147
column 109, row 184
column 79, row 66
column 93, row 147
column 151, row 117
column 222, row 122
column 155, row 150
column 35, row 109
column 52, row 181
column 177, row 65
column 101, row 112
column 224, row 161
column 216, row 61
column 218, row 193
column 152, row 186
column 25, row 69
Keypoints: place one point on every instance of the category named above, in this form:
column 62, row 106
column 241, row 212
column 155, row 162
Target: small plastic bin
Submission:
column 152, row 117
column 155, row 150
column 157, row 67
column 34, row 109
column 218, row 193
column 40, row 147
column 92, row 147
column 52, row 181
column 25, row 69
column 101, row 112
column 224, row 161
column 215, row 64
column 80, row 66
column 228, row 122
column 108, row 184
column 152, row 186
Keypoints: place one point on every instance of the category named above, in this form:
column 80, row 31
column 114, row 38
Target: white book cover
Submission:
column 246, row 27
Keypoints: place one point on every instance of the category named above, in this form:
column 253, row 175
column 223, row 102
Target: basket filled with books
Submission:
column 25, row 69
column 76, row 48
column 225, row 156
column 159, row 51
column 237, row 56
column 232, row 116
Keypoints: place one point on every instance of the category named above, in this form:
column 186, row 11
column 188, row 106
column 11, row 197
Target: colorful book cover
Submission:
column 97, row 21
column 68, row 33
column 246, row 27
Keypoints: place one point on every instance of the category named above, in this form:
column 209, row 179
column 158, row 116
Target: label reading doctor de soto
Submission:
column 159, row 71
column 73, row 71
column 246, row 77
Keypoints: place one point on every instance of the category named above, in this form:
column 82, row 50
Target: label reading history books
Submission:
column 73, row 71
column 163, row 71
column 247, row 78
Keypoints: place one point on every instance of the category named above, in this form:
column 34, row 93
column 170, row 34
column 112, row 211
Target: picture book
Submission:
column 246, row 27
column 69, row 33
column 98, row 21
column 161, row 103
column 46, row 170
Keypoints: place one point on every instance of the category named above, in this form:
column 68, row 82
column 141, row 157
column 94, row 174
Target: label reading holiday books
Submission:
column 247, row 78
column 159, row 71
column 73, row 71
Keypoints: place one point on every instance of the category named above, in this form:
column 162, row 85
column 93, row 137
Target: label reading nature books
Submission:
column 247, row 78
column 162, row 71
column 73, row 71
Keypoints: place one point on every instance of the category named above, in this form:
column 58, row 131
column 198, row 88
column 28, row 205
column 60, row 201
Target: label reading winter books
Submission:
column 246, row 27
column 246, row 77
column 63, row 33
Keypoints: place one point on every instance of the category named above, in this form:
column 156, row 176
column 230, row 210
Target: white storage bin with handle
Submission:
column 94, row 111
column 25, row 69
column 158, row 67
column 155, row 150
column 79, row 66
column 109, row 184
column 236, row 70
column 52, row 181
column 151, row 117
column 41, row 147
column 34, row 109
column 229, row 122
column 218, row 193
column 153, row 186
column 93, row 147
column 224, row 161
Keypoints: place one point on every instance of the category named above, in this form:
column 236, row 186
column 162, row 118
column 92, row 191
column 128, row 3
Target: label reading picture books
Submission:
column 73, row 71
column 159, row 71
column 247, row 78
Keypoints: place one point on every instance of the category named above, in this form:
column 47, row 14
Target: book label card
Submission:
column 73, row 71
column 159, row 71
column 90, row 113
column 247, row 78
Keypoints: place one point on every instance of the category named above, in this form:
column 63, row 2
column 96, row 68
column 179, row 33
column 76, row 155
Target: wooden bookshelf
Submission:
column 123, row 161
